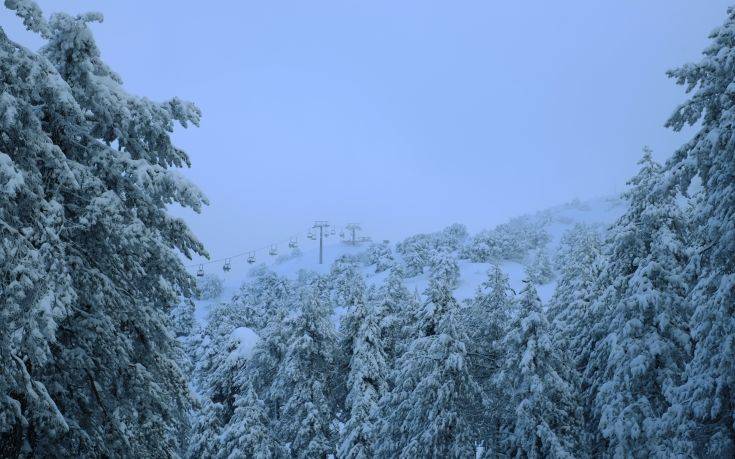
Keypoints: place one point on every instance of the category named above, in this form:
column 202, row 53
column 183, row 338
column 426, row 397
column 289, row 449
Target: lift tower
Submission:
column 353, row 228
column 322, row 225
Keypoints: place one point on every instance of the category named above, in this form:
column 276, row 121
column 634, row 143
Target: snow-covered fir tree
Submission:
column 182, row 318
column 646, row 343
column 205, row 441
column 579, row 264
column 429, row 411
column 704, row 414
column 344, row 284
column 267, row 297
column 444, row 268
column 415, row 252
column 88, row 258
column 485, row 322
column 247, row 433
column 381, row 256
column 366, row 378
column 304, row 421
column 544, row 422
column 540, row 269
column 209, row 287
column 397, row 309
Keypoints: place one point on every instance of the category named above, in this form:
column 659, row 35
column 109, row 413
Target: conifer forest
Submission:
column 600, row 327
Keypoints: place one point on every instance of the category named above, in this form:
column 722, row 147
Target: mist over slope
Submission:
column 597, row 213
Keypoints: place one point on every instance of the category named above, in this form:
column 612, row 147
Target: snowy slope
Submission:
column 557, row 220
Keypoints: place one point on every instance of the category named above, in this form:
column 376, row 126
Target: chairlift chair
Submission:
column 227, row 266
column 311, row 235
column 200, row 271
column 292, row 244
column 251, row 258
column 273, row 251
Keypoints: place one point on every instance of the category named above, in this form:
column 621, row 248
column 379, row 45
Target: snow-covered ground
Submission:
column 557, row 220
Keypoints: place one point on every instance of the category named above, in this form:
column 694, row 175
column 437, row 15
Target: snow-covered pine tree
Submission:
column 429, row 412
column 544, row 401
column 304, row 422
column 247, row 433
column 397, row 309
column 646, row 341
column 415, row 252
column 182, row 318
column 540, row 268
column 486, row 320
column 209, row 287
column 87, row 263
column 265, row 299
column 705, row 412
column 366, row 378
column 579, row 264
column 444, row 268
column 204, row 441
column 342, row 287
column 452, row 237
column 381, row 256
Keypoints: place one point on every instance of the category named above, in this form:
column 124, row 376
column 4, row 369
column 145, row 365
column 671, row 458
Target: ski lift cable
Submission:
column 245, row 253
column 241, row 254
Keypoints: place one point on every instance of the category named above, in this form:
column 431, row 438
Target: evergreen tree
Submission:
column 444, row 269
column 205, row 439
column 344, row 282
column 304, row 422
column 381, row 256
column 540, row 269
column 397, row 309
column 247, row 433
column 415, row 251
column 571, row 309
column 538, row 386
column 362, row 343
column 182, row 318
column 209, row 287
column 487, row 317
column 646, row 345
column 427, row 413
column 705, row 412
column 87, row 260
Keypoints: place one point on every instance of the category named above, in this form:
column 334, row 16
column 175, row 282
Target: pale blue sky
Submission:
column 406, row 116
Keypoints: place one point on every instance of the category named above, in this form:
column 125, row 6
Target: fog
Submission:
column 403, row 116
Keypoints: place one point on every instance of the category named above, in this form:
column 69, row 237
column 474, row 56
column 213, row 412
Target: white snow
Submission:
column 600, row 212
column 247, row 338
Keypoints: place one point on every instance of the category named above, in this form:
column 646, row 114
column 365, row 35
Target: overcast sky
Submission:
column 405, row 116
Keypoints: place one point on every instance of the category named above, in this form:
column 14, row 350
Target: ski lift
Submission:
column 227, row 266
column 273, row 251
column 311, row 235
column 292, row 244
column 251, row 258
column 333, row 232
column 200, row 271
column 342, row 234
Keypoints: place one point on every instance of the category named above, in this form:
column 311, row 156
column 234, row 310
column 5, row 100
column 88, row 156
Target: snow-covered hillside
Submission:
column 555, row 221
